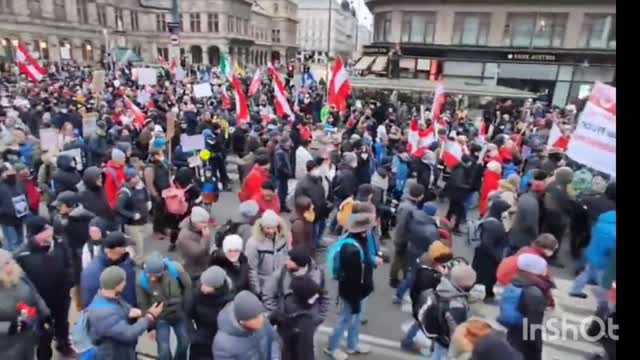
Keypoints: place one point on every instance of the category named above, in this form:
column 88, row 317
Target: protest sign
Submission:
column 594, row 141
column 202, row 90
column 65, row 53
column 171, row 125
column 97, row 81
column 77, row 155
column 191, row 143
column 49, row 140
column 147, row 76
column 89, row 124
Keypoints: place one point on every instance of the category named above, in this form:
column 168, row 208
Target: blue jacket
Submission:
column 90, row 278
column 110, row 330
column 603, row 241
column 401, row 169
column 233, row 342
column 508, row 170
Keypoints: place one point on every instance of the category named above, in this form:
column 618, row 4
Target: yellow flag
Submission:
column 239, row 70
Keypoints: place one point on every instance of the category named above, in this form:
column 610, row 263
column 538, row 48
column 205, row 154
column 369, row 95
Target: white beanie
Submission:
column 533, row 264
column 232, row 242
column 270, row 218
column 199, row 215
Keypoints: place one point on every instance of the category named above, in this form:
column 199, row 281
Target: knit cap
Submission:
column 199, row 215
column 214, row 277
column 114, row 240
column 249, row 209
column 439, row 251
column 36, row 225
column 299, row 257
column 246, row 306
column 270, row 218
column 111, row 277
column 118, row 155
column 463, row 275
column 533, row 264
column 130, row 173
column 154, row 263
column 232, row 242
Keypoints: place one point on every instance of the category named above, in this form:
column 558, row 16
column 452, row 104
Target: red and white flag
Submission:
column 28, row 65
column 485, row 130
column 438, row 103
column 419, row 140
column 452, row 154
column 242, row 109
column 280, row 94
column 226, row 100
column 139, row 115
column 339, row 86
column 557, row 139
column 255, row 83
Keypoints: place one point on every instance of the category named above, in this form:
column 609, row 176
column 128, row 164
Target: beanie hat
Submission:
column 533, row 264
column 304, row 288
column 416, row 191
column 430, row 208
column 111, row 277
column 130, row 173
column 68, row 198
column 232, row 242
column 249, row 209
column 199, row 215
column 118, row 155
column 36, row 225
column 99, row 223
column 299, row 257
column 439, row 251
column 154, row 263
column 350, row 159
column 214, row 277
column 462, row 275
column 564, row 175
column 494, row 166
column 247, row 306
column 270, row 218
column 114, row 240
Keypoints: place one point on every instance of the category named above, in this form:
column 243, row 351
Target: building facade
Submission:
column 315, row 28
column 557, row 47
column 84, row 30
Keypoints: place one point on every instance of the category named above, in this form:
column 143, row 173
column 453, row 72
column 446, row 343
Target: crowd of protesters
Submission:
column 74, row 210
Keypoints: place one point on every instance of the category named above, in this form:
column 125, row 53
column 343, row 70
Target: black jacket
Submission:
column 356, row 281
column 204, row 310
column 426, row 278
column 7, row 209
column 457, row 186
column 282, row 163
column 94, row 199
column 312, row 188
column 239, row 275
column 49, row 269
column 131, row 202
column 66, row 176
column 296, row 329
column 75, row 230
column 344, row 183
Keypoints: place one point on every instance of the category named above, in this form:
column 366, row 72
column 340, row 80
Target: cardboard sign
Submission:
column 202, row 90
column 147, row 76
column 191, row 143
column 97, row 81
column 49, row 140
column 171, row 125
column 89, row 124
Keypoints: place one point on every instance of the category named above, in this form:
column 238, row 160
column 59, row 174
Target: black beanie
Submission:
column 36, row 225
column 304, row 288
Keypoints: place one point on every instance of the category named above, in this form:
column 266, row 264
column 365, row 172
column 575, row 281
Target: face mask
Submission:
column 309, row 215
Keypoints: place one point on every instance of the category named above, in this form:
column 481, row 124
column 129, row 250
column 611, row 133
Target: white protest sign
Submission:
column 97, row 81
column 65, row 53
column 49, row 140
column 191, row 143
column 202, row 90
column 76, row 154
column 89, row 124
column 147, row 76
column 594, row 141
column 180, row 74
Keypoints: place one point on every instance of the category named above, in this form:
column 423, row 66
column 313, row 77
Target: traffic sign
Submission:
column 175, row 39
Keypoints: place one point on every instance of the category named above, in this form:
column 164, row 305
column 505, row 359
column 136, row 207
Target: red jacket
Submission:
column 265, row 205
column 489, row 184
column 253, row 182
column 113, row 181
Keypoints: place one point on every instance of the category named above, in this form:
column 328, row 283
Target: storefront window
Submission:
column 598, row 31
column 418, row 27
column 471, row 29
column 382, row 27
column 535, row 30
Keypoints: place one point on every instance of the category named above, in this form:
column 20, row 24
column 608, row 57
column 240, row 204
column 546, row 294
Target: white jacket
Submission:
column 302, row 156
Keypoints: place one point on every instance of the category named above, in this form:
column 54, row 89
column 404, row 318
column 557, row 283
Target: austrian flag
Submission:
column 452, row 154
column 28, row 65
column 339, row 86
column 255, row 83
column 418, row 139
column 242, row 109
column 280, row 94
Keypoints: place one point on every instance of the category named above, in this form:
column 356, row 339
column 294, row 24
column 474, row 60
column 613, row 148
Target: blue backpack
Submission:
column 171, row 269
column 80, row 339
column 510, row 314
column 333, row 255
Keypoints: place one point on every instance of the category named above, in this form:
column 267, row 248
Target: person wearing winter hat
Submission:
column 115, row 324
column 267, row 249
column 114, row 176
column 490, row 183
column 98, row 228
column 233, row 261
column 312, row 187
column 210, row 294
column 302, row 225
column 165, row 281
column 558, row 207
column 194, row 241
column 244, row 332
column 466, row 336
column 530, row 302
column 52, row 281
column 133, row 206
column 407, row 210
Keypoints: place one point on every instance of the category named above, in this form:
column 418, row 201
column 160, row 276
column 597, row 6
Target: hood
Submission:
column 498, row 206
column 65, row 163
column 90, row 177
column 281, row 236
column 114, row 164
column 228, row 323
column 447, row 290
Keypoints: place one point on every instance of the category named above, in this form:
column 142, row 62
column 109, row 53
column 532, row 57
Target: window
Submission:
column 102, row 15
column 59, row 10
column 119, row 19
column 418, row 27
column 35, row 8
column 180, row 23
column 161, row 22
column 598, row 31
column 471, row 29
column 87, row 51
column 135, row 24
column 382, row 27
column 163, row 53
column 238, row 26
column 246, row 27
column 212, row 23
column 82, row 11
column 275, row 35
column 194, row 19
column 542, row 30
column 43, row 48
column 230, row 24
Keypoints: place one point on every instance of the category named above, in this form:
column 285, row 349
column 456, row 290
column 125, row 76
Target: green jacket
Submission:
column 174, row 293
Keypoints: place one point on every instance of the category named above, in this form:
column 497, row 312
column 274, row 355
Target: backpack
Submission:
column 510, row 314
column 344, row 211
column 230, row 227
column 431, row 314
column 507, row 270
column 175, row 201
column 333, row 255
column 79, row 336
column 474, row 230
column 171, row 269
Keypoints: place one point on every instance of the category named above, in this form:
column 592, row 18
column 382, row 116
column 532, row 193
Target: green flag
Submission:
column 225, row 65
column 324, row 113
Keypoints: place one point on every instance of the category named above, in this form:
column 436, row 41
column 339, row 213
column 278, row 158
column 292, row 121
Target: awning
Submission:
column 380, row 64
column 364, row 62
column 125, row 55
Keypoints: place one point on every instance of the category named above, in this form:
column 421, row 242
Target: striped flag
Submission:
column 452, row 154
column 419, row 140
column 226, row 100
column 28, row 65
column 139, row 115
column 281, row 102
column 339, row 86
column 225, row 65
column 255, row 83
column 438, row 103
column 242, row 109
column 557, row 139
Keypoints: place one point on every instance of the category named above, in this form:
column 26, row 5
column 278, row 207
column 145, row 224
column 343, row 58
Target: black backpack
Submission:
column 229, row 228
column 431, row 314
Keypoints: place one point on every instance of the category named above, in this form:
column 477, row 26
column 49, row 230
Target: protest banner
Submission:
column 147, row 76
column 49, row 140
column 593, row 143
column 89, row 123
column 191, row 143
column 202, row 90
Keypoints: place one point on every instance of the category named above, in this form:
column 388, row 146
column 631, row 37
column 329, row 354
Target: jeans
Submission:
column 348, row 322
column 318, row 230
column 163, row 333
column 407, row 282
column 13, row 237
column 439, row 352
column 589, row 273
column 283, row 191
column 407, row 340
column 471, row 202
